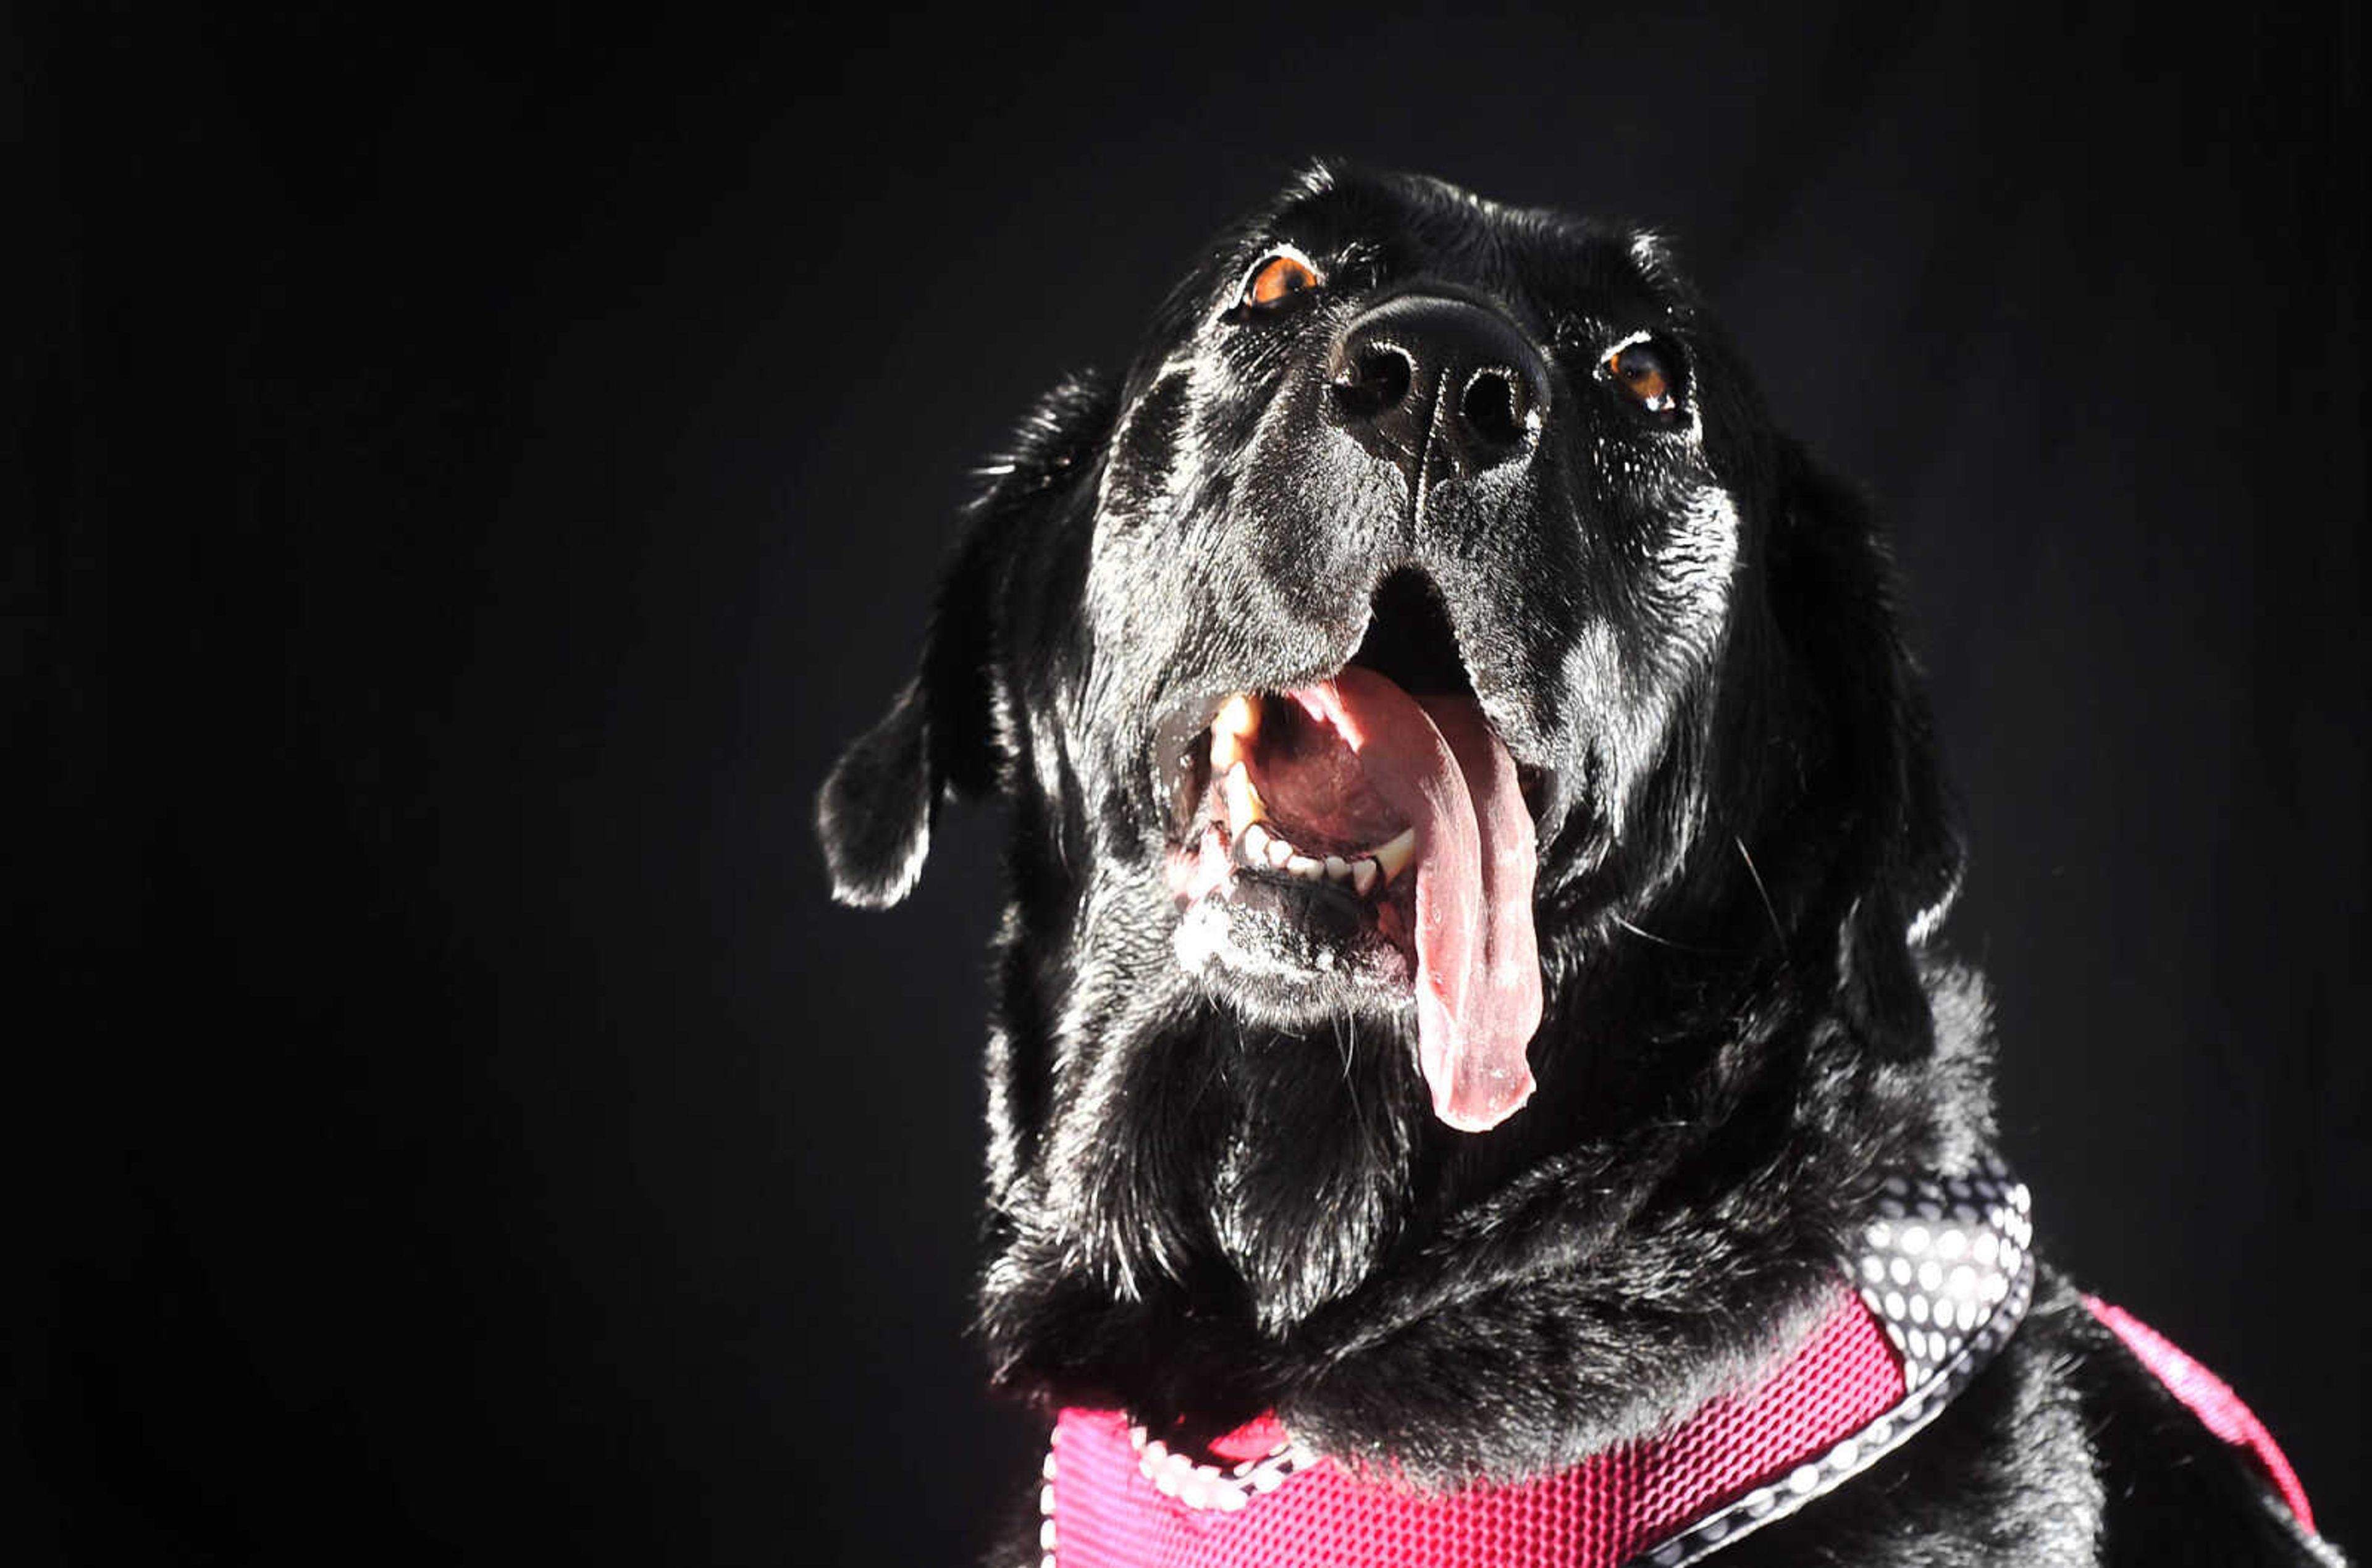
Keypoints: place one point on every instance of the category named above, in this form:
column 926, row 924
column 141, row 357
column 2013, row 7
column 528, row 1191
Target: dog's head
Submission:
column 1425, row 677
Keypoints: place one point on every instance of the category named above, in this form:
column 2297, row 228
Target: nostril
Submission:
column 1374, row 380
column 1492, row 409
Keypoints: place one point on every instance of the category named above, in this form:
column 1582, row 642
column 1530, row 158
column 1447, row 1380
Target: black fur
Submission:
column 1215, row 1194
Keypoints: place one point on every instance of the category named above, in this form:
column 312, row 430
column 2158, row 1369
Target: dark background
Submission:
column 477, row 466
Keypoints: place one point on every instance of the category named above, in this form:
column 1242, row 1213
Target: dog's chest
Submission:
column 1941, row 1280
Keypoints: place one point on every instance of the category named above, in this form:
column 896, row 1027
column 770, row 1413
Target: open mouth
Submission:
column 1371, row 830
column 1331, row 823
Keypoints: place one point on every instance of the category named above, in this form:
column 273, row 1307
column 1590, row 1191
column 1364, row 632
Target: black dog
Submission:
column 1468, row 986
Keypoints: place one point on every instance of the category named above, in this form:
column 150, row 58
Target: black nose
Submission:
column 1427, row 371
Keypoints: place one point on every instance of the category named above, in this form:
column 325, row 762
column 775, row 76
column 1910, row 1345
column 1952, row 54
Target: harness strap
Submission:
column 2210, row 1399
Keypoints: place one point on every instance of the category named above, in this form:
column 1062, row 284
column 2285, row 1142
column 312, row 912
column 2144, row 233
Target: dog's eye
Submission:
column 1645, row 372
column 1277, row 280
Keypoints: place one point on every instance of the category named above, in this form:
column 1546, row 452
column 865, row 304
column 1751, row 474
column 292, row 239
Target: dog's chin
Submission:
column 1296, row 953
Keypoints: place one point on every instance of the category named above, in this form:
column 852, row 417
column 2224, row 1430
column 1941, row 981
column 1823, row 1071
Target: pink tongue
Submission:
column 1478, row 966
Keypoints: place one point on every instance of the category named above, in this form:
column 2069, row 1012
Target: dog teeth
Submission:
column 1241, row 716
column 1245, row 808
column 1260, row 845
column 1251, row 844
column 1232, row 730
column 1256, row 843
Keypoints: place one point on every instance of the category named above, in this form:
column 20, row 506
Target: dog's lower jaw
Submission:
column 1284, row 983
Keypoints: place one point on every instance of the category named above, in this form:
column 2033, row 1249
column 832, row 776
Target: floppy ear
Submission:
column 875, row 811
column 1900, row 866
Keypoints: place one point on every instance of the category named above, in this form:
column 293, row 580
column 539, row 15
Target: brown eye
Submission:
column 1641, row 370
column 1276, row 278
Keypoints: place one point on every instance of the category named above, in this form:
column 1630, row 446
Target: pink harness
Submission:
column 2210, row 1399
column 1942, row 1280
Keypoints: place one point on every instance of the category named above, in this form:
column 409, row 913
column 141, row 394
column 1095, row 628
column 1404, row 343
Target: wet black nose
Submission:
column 1426, row 372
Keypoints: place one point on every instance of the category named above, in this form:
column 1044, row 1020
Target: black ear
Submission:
column 875, row 811
column 1901, row 864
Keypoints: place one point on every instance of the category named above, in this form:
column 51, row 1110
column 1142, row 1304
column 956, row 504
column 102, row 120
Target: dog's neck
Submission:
column 1247, row 1233
column 1941, row 1279
column 1318, row 1171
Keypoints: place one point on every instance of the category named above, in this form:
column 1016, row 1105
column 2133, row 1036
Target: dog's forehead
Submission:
column 1415, row 224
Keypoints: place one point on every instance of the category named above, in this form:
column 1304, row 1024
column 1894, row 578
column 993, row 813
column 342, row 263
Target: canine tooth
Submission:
column 1278, row 852
column 1236, row 722
column 1244, row 805
column 1302, row 865
column 1337, row 869
column 1363, row 876
column 1393, row 857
